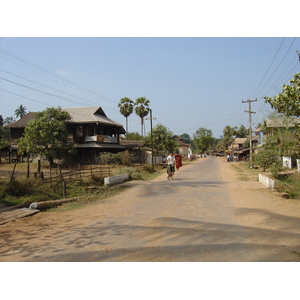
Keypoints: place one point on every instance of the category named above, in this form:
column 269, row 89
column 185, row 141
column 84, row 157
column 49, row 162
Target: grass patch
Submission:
column 241, row 174
column 289, row 184
column 296, row 252
column 98, row 194
column 26, row 191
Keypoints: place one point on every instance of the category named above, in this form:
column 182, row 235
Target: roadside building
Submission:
column 89, row 129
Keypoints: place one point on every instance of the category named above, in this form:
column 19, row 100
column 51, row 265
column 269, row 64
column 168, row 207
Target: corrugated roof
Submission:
column 239, row 140
column 92, row 114
column 22, row 123
column 282, row 122
column 132, row 143
column 81, row 115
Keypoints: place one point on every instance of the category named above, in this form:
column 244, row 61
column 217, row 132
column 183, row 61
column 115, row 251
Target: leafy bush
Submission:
column 267, row 158
column 26, row 191
column 134, row 173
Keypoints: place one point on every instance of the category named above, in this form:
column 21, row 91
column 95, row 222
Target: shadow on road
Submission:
column 172, row 239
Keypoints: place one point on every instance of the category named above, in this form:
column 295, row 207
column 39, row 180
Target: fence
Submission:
column 52, row 174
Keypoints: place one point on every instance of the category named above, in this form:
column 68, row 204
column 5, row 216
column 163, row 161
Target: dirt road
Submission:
column 207, row 213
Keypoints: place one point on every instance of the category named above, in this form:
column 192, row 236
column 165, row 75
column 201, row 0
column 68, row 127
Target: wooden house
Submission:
column 90, row 130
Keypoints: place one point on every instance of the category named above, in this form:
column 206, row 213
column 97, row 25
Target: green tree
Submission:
column 242, row 132
column 203, row 139
column 267, row 158
column 47, row 135
column 283, row 136
column 163, row 140
column 133, row 136
column 288, row 101
column 126, row 108
column 9, row 120
column 142, row 109
column 228, row 136
column 186, row 138
column 20, row 111
column 3, row 141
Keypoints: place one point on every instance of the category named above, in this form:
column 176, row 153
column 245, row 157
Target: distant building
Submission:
column 91, row 131
column 184, row 148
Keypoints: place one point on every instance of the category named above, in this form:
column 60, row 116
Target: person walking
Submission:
column 170, row 166
column 178, row 161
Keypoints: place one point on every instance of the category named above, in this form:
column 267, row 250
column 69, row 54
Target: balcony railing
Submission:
column 101, row 139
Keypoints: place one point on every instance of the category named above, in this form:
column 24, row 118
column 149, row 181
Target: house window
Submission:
column 79, row 131
column 91, row 131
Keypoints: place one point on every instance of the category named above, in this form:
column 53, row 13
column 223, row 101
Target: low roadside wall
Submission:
column 116, row 179
column 265, row 180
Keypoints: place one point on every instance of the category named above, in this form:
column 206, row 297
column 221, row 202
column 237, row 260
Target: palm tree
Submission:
column 142, row 109
column 126, row 108
column 20, row 111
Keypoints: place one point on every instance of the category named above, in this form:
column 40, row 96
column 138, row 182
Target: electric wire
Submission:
column 278, row 66
column 72, row 84
column 267, row 69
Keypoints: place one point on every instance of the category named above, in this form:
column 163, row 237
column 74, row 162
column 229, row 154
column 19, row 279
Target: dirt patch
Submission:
column 257, row 208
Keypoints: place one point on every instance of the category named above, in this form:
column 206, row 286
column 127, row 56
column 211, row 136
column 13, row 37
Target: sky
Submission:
column 194, row 76
column 196, row 61
column 191, row 82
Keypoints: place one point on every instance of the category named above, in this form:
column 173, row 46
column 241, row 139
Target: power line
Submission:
column 250, row 127
column 25, row 97
column 268, row 68
column 46, row 86
column 278, row 65
column 65, row 81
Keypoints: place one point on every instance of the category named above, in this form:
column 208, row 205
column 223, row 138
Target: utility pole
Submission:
column 151, row 118
column 250, row 127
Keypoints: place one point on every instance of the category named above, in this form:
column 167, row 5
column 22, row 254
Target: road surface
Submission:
column 206, row 214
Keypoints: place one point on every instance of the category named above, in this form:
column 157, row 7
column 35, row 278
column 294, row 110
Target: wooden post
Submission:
column 28, row 170
column 64, row 185
column 61, row 175
column 50, row 168
column 39, row 167
column 13, row 172
column 79, row 167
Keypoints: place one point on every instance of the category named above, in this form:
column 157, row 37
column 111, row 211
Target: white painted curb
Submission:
column 116, row 179
column 265, row 180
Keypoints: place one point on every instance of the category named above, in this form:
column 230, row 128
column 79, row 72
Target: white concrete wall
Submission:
column 265, row 180
column 116, row 179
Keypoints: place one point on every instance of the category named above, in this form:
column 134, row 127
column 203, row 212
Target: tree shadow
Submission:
column 168, row 239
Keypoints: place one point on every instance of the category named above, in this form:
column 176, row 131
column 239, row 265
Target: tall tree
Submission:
column 228, row 136
column 203, row 139
column 20, row 111
column 9, row 120
column 288, row 101
column 163, row 140
column 242, row 132
column 142, row 109
column 47, row 135
column 126, row 108
column 186, row 138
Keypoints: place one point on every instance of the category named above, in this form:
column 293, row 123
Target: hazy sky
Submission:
column 195, row 63
column 193, row 76
column 190, row 82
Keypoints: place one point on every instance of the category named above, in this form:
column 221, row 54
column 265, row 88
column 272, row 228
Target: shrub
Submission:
column 134, row 173
column 267, row 158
